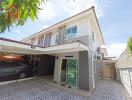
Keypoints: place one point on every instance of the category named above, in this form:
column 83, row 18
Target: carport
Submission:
column 45, row 55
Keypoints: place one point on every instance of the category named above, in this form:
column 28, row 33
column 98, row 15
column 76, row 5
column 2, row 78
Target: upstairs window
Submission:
column 93, row 36
column 57, row 39
column 71, row 32
column 41, row 39
column 33, row 41
column 74, row 29
column 47, row 39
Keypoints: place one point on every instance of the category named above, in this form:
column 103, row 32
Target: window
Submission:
column 74, row 29
column 93, row 36
column 71, row 32
column 40, row 42
column 33, row 41
column 57, row 39
column 47, row 39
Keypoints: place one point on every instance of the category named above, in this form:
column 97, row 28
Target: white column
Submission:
column 57, row 70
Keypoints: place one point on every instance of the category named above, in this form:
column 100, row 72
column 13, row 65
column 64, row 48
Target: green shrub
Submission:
column 130, row 44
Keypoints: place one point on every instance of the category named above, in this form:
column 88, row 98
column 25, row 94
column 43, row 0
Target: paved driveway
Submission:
column 109, row 90
column 38, row 89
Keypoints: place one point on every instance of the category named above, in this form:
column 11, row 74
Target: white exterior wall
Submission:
column 57, row 70
column 82, row 30
column 82, row 27
column 74, row 54
column 126, row 79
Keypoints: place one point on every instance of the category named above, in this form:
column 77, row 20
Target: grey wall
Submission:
column 83, row 70
column 46, row 65
column 91, row 70
column 97, row 70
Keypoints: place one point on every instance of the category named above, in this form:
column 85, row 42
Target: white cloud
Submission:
column 115, row 50
column 80, row 5
column 47, row 12
column 62, row 7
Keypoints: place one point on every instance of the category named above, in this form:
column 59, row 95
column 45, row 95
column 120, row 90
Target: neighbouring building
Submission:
column 124, row 70
column 69, row 50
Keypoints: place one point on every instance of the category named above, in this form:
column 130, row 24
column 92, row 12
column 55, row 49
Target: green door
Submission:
column 72, row 72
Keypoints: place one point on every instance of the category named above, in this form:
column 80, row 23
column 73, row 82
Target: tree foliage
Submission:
column 28, row 9
column 130, row 44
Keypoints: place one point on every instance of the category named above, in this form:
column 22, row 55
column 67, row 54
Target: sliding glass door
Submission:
column 72, row 72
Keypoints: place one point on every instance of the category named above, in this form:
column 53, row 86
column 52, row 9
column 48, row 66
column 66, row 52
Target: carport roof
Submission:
column 16, row 47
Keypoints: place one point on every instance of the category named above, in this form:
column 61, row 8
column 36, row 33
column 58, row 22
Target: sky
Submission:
column 115, row 19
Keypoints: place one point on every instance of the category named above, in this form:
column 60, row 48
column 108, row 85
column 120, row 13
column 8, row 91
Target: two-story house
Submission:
column 69, row 48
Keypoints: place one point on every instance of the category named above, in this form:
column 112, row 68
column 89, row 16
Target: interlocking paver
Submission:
column 109, row 90
column 39, row 89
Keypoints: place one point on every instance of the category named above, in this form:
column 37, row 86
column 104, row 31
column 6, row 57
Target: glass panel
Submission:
column 71, row 32
column 72, row 72
column 40, row 42
column 33, row 41
column 74, row 29
column 57, row 39
column 47, row 40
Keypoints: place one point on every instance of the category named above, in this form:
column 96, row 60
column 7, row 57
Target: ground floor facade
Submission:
column 74, row 69
column 71, row 64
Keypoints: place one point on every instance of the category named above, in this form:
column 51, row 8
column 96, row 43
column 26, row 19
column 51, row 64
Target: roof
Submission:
column 92, row 8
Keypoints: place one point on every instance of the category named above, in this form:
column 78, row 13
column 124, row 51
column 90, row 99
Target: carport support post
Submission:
column 57, row 70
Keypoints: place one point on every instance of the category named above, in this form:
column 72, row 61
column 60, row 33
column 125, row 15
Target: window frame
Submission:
column 71, row 32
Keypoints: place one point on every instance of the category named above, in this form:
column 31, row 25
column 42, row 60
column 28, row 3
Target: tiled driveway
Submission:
column 38, row 89
column 109, row 90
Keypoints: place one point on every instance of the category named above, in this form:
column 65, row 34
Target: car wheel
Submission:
column 22, row 75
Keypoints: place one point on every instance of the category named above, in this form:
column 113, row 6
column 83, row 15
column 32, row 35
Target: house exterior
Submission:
column 71, row 46
column 83, row 28
column 124, row 70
